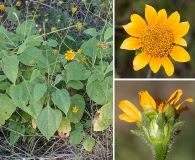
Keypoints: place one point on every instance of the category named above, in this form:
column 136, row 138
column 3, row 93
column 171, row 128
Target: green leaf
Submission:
column 91, row 31
column 16, row 131
column 105, row 117
column 35, row 74
column 49, row 121
column 78, row 102
column 35, row 54
column 89, row 48
column 61, row 99
column 76, row 71
column 2, row 77
column 98, row 91
column 75, row 137
column 94, row 77
column 4, row 85
column 52, row 43
column 22, row 96
column 75, row 84
column 108, row 34
column 10, row 67
column 88, row 143
column 34, row 40
column 79, row 127
column 27, row 28
column 39, row 91
column 6, row 109
column 109, row 68
column 21, row 48
column 70, row 38
column 58, row 79
column 12, row 13
column 64, row 127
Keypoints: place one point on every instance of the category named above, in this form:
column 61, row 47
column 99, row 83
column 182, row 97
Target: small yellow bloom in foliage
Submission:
column 74, row 9
column 83, row 59
column 53, row 29
column 42, row 1
column 69, row 55
column 85, row 24
column 79, row 26
column 1, row 16
column 32, row 62
column 75, row 109
column 36, row 16
column 159, row 38
column 34, row 124
column 55, row 52
column 102, row 5
column 18, row 3
column 79, row 51
column 2, row 7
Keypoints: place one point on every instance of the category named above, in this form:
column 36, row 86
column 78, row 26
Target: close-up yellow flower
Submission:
column 159, row 39
column 32, row 62
column 55, row 52
column 70, row 55
column 2, row 7
column 75, row 109
column 79, row 51
column 18, row 3
column 74, row 9
column 79, row 26
column 132, row 114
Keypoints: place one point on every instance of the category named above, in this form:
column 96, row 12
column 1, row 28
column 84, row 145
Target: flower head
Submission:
column 132, row 114
column 74, row 9
column 18, row 3
column 55, row 52
column 159, row 38
column 83, row 59
column 53, row 29
column 2, row 7
column 79, row 51
column 69, row 55
column 79, row 26
column 32, row 62
column 75, row 109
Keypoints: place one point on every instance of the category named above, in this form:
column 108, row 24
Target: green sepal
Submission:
column 146, row 120
column 138, row 51
column 170, row 115
column 150, row 111
column 138, row 133
column 177, row 125
column 160, row 120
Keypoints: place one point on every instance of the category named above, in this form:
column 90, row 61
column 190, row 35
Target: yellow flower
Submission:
column 159, row 38
column 83, row 59
column 102, row 5
column 1, row 16
column 79, row 26
column 32, row 62
column 132, row 114
column 75, row 109
column 42, row 1
column 55, row 52
column 74, row 9
column 79, row 51
column 36, row 16
column 18, row 3
column 69, row 55
column 53, row 29
column 2, row 7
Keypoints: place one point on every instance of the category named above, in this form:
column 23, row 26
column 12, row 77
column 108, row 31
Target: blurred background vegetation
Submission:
column 124, row 58
column 131, row 147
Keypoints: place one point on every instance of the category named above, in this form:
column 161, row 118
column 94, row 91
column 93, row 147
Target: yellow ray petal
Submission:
column 180, row 41
column 150, row 14
column 141, row 60
column 131, row 43
column 173, row 20
column 181, row 29
column 162, row 16
column 127, row 118
column 138, row 21
column 130, row 109
column 146, row 100
column 168, row 65
column 131, row 29
column 187, row 100
column 155, row 64
column 174, row 98
column 179, row 54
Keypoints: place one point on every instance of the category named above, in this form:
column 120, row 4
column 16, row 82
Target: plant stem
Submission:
column 160, row 151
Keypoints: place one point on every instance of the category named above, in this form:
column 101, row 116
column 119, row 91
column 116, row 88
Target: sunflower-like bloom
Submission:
column 69, row 55
column 132, row 114
column 159, row 38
